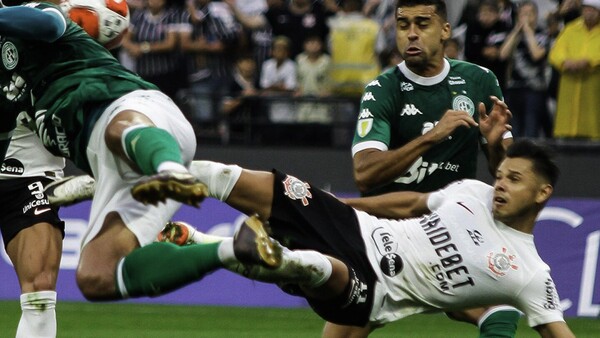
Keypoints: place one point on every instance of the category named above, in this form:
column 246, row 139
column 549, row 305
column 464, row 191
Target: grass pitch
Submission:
column 116, row 320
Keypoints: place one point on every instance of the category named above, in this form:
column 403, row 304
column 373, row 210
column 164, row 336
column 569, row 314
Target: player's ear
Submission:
column 544, row 193
column 446, row 31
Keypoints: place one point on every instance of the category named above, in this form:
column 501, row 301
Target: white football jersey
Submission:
column 455, row 258
column 27, row 157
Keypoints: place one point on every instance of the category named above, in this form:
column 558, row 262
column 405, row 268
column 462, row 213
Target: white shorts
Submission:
column 114, row 177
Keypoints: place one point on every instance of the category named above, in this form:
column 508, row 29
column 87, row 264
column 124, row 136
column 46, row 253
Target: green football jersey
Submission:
column 399, row 106
column 66, row 83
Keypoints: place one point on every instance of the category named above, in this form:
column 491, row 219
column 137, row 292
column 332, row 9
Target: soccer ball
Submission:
column 104, row 20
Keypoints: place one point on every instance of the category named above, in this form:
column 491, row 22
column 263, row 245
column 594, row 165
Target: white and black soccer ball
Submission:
column 106, row 21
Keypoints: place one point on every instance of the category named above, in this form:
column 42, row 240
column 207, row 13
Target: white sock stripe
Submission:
column 495, row 309
column 33, row 300
column 120, row 281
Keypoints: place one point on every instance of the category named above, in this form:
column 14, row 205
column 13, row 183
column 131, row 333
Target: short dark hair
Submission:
column 440, row 5
column 541, row 157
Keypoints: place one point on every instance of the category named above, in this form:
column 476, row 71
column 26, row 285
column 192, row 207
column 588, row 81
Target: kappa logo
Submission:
column 406, row 87
column 368, row 97
column 374, row 83
column 365, row 114
column 500, row 263
column 296, row 189
column 410, row 110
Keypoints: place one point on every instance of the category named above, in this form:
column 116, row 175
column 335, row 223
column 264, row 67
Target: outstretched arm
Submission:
column 32, row 23
column 404, row 204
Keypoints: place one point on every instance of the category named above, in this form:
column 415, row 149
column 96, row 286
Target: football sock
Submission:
column 219, row 178
column 38, row 317
column 303, row 267
column 161, row 267
column 149, row 147
column 499, row 322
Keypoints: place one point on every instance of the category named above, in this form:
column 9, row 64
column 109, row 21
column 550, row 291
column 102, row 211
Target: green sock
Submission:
column 150, row 146
column 162, row 267
column 500, row 324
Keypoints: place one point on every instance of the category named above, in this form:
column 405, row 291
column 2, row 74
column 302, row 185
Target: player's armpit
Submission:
column 555, row 330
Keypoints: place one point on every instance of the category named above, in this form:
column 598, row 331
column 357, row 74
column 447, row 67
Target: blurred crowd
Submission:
column 222, row 60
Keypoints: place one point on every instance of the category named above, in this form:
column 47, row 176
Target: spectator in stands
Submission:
column 508, row 12
column 241, row 101
column 313, row 67
column 484, row 37
column 152, row 43
column 209, row 40
column 352, row 45
column 278, row 75
column 568, row 10
column 526, row 49
column 384, row 12
column 576, row 55
column 260, row 37
column 453, row 49
column 296, row 20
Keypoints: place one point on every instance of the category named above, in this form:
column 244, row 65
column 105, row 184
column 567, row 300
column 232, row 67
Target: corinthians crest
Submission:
column 296, row 189
column 500, row 263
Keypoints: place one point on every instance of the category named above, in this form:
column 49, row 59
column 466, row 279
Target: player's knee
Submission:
column 95, row 286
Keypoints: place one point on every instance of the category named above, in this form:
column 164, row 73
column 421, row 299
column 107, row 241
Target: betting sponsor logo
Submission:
column 463, row 103
column 410, row 110
column 406, row 87
column 296, row 189
column 12, row 166
column 449, row 271
column 391, row 264
column 419, row 170
column 502, row 262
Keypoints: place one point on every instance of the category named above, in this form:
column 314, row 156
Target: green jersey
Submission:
column 66, row 85
column 399, row 106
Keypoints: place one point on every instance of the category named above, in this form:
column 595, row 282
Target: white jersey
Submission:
column 27, row 157
column 455, row 258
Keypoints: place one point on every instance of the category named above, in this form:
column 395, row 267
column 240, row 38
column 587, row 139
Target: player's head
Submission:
column 524, row 182
column 421, row 30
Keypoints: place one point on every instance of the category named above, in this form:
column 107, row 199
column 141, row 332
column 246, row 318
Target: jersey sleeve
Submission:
column 490, row 83
column 373, row 127
column 539, row 300
column 33, row 21
column 474, row 188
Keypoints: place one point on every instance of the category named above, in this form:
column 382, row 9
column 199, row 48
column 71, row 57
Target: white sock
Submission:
column 226, row 253
column 303, row 267
column 219, row 178
column 38, row 317
column 171, row 166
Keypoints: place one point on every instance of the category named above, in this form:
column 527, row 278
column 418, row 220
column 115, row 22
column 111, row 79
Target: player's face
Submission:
column 420, row 35
column 518, row 191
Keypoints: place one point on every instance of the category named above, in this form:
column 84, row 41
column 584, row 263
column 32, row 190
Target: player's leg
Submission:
column 248, row 191
column 35, row 253
column 497, row 321
column 147, row 130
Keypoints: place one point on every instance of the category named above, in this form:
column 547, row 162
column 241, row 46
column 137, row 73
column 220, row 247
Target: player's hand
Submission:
column 450, row 121
column 493, row 125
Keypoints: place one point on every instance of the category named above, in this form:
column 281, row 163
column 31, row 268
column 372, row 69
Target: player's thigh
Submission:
column 332, row 330
column 35, row 252
column 100, row 256
column 253, row 193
